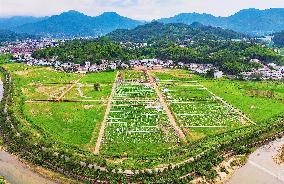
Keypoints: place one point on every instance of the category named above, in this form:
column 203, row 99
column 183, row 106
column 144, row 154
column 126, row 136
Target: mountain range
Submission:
column 11, row 22
column 250, row 21
column 73, row 23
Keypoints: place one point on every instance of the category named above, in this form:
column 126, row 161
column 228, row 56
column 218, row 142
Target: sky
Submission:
column 136, row 9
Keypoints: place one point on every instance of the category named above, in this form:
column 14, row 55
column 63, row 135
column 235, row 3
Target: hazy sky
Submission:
column 138, row 9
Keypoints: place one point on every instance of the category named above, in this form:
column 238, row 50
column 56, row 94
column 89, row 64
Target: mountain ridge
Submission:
column 176, row 32
column 250, row 21
column 74, row 23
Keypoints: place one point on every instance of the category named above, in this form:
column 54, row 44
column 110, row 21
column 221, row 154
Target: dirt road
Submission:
column 104, row 122
column 162, row 100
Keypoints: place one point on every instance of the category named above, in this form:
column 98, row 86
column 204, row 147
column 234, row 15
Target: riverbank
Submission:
column 261, row 167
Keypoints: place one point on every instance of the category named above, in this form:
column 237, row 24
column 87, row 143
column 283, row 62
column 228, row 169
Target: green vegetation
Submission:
column 261, row 101
column 2, row 180
column 231, row 57
column 69, row 122
column 197, row 111
column 9, row 36
column 79, row 51
column 278, row 39
column 137, row 124
column 56, row 131
column 73, row 121
column 156, row 31
column 4, row 58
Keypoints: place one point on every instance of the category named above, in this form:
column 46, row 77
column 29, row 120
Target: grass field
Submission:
column 259, row 100
column 74, row 119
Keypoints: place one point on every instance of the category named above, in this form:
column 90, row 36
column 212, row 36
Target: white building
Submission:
column 218, row 74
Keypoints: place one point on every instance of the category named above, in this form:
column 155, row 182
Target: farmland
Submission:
column 137, row 124
column 198, row 111
column 139, row 119
column 61, row 104
column 261, row 101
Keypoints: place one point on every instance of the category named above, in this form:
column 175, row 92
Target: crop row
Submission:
column 195, row 107
column 137, row 119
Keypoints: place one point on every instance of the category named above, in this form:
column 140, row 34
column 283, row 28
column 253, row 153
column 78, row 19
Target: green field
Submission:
column 76, row 117
column 198, row 112
column 137, row 124
column 138, row 133
column 259, row 100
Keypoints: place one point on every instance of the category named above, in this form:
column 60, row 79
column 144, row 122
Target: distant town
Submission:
column 21, row 52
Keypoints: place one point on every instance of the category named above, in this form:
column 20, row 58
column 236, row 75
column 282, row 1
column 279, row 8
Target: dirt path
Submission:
column 172, row 120
column 104, row 122
column 72, row 86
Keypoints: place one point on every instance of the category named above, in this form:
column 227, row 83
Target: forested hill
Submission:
column 6, row 35
column 175, row 32
column 231, row 57
column 278, row 39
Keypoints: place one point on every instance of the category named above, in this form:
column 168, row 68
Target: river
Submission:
column 261, row 168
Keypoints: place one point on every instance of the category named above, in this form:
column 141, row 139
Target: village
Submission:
column 21, row 52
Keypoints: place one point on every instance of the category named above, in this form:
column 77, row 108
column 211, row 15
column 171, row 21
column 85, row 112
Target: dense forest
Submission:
column 8, row 36
column 175, row 32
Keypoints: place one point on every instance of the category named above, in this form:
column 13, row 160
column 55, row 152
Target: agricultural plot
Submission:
column 137, row 124
column 260, row 101
column 198, row 112
column 63, row 105
column 133, row 75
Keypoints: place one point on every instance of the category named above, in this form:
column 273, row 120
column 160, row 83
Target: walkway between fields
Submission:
column 104, row 122
column 71, row 87
column 171, row 117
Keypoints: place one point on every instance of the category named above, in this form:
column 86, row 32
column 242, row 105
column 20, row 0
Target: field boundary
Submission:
column 72, row 86
column 243, row 115
column 169, row 113
column 104, row 122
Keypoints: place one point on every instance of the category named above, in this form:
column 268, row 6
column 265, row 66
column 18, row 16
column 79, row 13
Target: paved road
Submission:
column 261, row 168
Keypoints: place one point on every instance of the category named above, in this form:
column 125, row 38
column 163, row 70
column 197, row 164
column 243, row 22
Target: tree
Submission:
column 210, row 73
column 97, row 87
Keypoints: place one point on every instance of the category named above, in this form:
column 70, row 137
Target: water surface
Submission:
column 261, row 168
